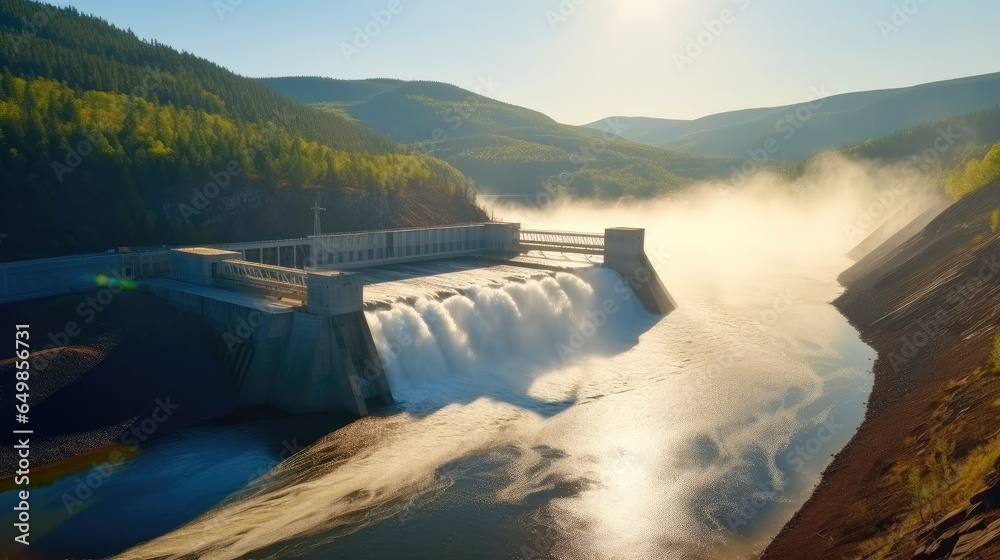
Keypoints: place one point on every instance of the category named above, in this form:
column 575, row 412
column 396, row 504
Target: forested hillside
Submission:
column 506, row 149
column 109, row 140
column 974, row 175
column 945, row 142
column 87, row 53
column 824, row 122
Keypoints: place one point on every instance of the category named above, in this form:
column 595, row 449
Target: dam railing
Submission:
column 374, row 248
column 561, row 241
column 264, row 275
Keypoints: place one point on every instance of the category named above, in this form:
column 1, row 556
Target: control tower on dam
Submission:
column 289, row 314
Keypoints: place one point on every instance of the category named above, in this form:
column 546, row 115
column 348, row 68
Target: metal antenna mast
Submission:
column 316, row 219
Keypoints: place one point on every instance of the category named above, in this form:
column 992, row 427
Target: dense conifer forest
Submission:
column 108, row 140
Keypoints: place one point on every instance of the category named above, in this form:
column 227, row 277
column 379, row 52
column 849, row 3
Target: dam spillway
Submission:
column 290, row 314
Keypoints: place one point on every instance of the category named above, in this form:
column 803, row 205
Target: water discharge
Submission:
column 555, row 417
column 498, row 339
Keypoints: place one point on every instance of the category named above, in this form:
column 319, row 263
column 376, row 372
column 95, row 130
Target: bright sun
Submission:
column 636, row 9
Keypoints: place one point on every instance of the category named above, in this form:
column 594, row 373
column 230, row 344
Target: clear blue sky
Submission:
column 604, row 57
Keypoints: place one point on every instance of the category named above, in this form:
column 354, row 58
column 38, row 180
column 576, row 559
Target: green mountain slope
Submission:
column 89, row 54
column 109, row 140
column 823, row 123
column 508, row 150
column 942, row 143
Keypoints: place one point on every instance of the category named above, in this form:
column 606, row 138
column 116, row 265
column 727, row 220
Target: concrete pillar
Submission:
column 624, row 242
column 624, row 252
column 501, row 237
column 330, row 361
column 333, row 293
column 197, row 264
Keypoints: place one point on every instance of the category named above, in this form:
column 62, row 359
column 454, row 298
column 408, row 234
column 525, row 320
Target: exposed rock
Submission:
column 974, row 540
column 940, row 528
column 956, row 536
column 990, row 497
column 903, row 301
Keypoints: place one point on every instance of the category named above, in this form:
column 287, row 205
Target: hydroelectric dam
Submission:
column 290, row 314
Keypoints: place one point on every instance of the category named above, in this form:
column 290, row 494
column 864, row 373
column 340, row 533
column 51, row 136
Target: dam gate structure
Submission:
column 291, row 313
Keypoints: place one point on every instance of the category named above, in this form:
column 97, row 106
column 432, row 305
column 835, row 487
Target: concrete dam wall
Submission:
column 289, row 315
column 299, row 362
column 299, row 356
column 625, row 253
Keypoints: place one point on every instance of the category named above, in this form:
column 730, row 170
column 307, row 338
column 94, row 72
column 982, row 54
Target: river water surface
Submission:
column 556, row 417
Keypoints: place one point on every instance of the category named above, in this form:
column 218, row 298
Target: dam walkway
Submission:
column 291, row 313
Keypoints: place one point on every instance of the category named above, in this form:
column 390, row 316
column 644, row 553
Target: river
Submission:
column 550, row 418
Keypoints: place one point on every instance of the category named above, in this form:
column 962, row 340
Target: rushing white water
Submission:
column 603, row 431
column 503, row 337
column 557, row 418
column 462, row 370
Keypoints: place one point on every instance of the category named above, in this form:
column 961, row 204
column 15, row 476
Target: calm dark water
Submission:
column 115, row 505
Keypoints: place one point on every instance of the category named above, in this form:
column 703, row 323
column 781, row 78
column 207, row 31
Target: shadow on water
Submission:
column 515, row 530
column 117, row 504
column 496, row 344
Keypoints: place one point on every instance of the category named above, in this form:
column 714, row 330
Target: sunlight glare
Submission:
column 639, row 9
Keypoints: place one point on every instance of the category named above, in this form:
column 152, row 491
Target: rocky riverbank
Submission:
column 122, row 369
column 920, row 477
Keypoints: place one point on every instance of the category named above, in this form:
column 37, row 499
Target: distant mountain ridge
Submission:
column 823, row 122
column 506, row 149
column 309, row 89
